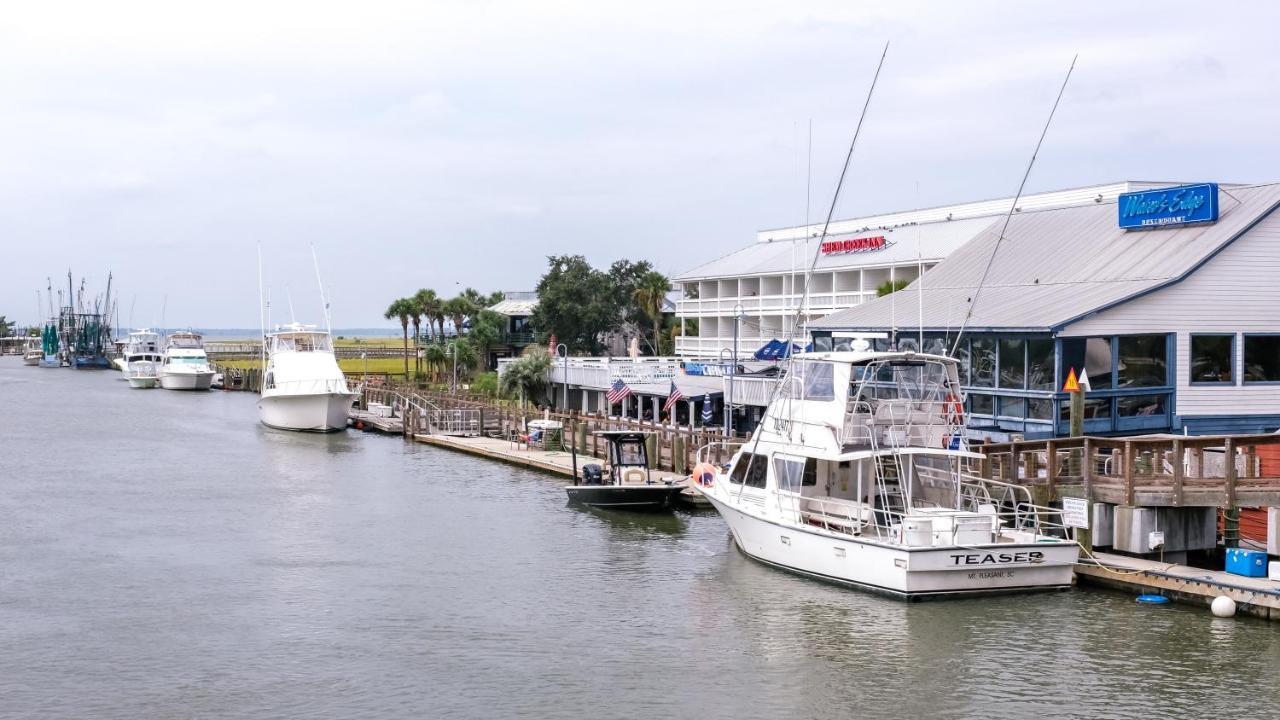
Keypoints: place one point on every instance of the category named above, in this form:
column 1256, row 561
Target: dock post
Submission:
column 1230, row 513
column 677, row 454
column 652, row 448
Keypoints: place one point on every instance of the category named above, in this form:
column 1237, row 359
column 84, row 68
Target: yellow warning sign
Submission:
column 1072, row 384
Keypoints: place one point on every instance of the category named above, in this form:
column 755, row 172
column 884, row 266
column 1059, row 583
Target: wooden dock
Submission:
column 557, row 462
column 1259, row 597
column 365, row 420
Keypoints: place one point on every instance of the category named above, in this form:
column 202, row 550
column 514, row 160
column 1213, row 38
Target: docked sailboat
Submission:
column 857, row 476
column 303, row 388
column 184, row 364
column 142, row 359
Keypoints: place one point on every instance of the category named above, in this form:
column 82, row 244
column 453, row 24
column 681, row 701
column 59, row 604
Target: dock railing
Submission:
column 1223, row 471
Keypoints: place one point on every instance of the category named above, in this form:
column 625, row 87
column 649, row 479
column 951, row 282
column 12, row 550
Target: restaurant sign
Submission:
column 1182, row 205
column 862, row 244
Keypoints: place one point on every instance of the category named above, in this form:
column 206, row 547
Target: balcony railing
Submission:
column 757, row 304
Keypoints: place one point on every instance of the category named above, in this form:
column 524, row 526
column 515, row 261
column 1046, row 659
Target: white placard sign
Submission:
column 1075, row 513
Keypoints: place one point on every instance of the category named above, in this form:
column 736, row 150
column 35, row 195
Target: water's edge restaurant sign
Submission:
column 1182, row 205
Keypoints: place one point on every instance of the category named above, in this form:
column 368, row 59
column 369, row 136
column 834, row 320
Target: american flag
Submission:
column 673, row 398
column 618, row 392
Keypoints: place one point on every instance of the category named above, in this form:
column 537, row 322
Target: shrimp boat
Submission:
column 184, row 364
column 303, row 389
column 857, row 476
column 142, row 358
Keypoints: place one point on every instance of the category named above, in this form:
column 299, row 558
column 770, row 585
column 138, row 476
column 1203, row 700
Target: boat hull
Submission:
column 637, row 498
column 186, row 381
column 902, row 572
column 145, row 382
column 319, row 412
column 32, row 359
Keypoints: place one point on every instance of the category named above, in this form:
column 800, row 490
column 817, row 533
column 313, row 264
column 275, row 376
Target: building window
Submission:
column 1040, row 364
column 1140, row 405
column 1093, row 355
column 1142, row 361
column 1213, row 358
column 964, row 369
column 1262, row 358
column 822, row 343
column 1040, row 408
column 1013, row 363
column 1012, row 407
column 982, row 404
column 1094, row 409
column 984, row 362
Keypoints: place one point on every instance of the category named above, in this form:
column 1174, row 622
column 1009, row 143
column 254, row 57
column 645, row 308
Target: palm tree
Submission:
column 402, row 309
column 436, row 355
column 649, row 296
column 458, row 310
column 431, row 305
column 526, row 376
column 416, row 313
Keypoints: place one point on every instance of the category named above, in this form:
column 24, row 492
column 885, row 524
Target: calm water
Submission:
column 163, row 555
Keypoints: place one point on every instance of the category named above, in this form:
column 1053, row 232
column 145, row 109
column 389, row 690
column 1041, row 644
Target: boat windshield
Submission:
column 302, row 342
column 187, row 361
column 812, row 380
column 185, row 340
column 918, row 380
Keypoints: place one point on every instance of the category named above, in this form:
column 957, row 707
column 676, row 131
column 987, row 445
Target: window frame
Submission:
column 1237, row 372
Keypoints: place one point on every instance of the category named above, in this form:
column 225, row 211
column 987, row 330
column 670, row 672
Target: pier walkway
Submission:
column 558, row 462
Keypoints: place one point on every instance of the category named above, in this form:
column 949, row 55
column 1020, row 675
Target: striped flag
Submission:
column 618, row 392
column 673, row 398
column 706, row 409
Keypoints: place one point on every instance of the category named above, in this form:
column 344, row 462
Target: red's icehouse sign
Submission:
column 862, row 244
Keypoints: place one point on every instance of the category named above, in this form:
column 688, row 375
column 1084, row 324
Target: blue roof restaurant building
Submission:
column 1168, row 298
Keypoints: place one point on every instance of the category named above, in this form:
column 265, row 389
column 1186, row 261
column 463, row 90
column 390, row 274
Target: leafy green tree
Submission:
column 579, row 304
column 436, row 356
column 649, row 295
column 417, row 310
column 486, row 331
column 430, row 303
column 6, row 327
column 486, row 383
column 458, row 309
column 888, row 287
column 527, row 376
column 402, row 309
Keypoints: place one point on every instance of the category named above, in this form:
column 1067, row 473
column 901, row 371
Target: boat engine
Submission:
column 592, row 474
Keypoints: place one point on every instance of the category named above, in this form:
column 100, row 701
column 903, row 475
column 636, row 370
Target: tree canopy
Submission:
column 580, row 304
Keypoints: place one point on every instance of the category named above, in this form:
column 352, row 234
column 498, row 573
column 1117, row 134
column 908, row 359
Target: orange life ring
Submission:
column 704, row 475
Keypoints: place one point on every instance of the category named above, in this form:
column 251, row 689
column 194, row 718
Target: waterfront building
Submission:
column 1166, row 298
column 517, row 334
column 762, row 285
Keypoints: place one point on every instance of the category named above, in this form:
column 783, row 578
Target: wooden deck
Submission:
column 1150, row 471
column 558, row 462
column 1259, row 597
column 393, row 425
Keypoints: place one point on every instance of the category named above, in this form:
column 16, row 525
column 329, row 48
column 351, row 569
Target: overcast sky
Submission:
column 442, row 144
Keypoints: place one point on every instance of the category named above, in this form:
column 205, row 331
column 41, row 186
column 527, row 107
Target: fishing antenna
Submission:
column 262, row 317
column 1012, row 206
column 328, row 325
column 289, row 297
column 826, row 226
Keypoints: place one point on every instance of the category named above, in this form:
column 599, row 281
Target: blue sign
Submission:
column 1180, row 205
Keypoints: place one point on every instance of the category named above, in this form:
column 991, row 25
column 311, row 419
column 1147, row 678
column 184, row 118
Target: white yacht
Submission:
column 140, row 363
column 32, row 351
column 303, row 389
column 857, row 476
column 184, row 365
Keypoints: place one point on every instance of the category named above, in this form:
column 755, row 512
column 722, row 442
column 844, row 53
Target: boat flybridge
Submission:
column 303, row 389
column 32, row 351
column 184, row 364
column 142, row 358
column 857, row 476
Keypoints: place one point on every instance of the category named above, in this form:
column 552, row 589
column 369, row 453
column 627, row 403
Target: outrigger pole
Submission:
column 1012, row 207
column 826, row 226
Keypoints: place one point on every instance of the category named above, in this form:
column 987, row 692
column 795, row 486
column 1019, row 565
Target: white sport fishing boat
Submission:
column 142, row 358
column 32, row 351
column 303, row 389
column 857, row 476
column 184, row 364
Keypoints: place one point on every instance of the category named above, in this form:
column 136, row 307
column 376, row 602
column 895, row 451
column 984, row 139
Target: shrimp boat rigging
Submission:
column 857, row 476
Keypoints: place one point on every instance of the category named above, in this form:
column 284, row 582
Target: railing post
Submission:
column 1178, row 472
column 1086, row 468
column 1128, row 473
column 1051, row 468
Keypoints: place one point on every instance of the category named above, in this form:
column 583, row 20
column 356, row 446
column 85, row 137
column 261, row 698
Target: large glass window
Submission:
column 982, row 404
column 1040, row 364
column 935, row 344
column 1040, row 408
column 962, row 356
column 1142, row 361
column 1262, row 358
column 1013, row 363
column 1212, row 358
column 750, row 469
column 1094, row 409
column 983, row 351
column 814, row 380
column 1091, row 354
column 1140, row 405
column 1012, row 407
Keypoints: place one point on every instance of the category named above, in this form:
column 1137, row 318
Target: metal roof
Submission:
column 904, row 244
column 515, row 308
column 1056, row 266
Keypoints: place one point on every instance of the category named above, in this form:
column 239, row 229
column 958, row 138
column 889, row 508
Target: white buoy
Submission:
column 1223, row 606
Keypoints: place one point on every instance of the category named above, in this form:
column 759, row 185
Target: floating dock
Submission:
column 1259, row 597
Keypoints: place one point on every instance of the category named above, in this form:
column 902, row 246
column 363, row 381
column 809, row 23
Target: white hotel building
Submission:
column 763, row 283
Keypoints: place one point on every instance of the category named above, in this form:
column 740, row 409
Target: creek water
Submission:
column 164, row 555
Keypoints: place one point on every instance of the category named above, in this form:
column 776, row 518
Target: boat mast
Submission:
column 262, row 318
column 1012, row 207
column 328, row 325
